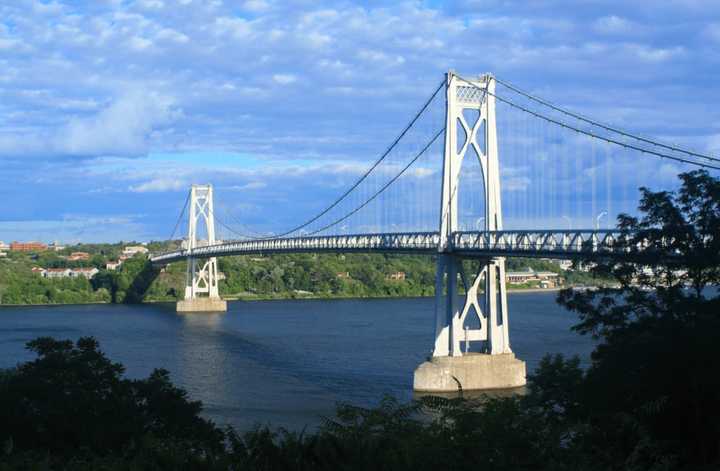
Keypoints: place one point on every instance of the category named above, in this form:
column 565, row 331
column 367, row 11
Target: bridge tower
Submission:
column 491, row 364
column 201, row 285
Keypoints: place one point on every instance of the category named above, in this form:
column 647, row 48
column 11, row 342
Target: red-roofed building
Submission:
column 79, row 256
column 28, row 247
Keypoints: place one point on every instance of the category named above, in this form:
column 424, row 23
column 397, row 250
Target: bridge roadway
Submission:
column 473, row 244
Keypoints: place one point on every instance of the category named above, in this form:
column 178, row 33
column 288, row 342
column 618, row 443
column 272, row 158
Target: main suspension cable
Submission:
column 607, row 127
column 368, row 172
column 179, row 219
column 384, row 187
column 589, row 133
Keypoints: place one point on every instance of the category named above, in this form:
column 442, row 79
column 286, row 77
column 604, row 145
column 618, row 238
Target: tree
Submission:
column 653, row 382
column 73, row 399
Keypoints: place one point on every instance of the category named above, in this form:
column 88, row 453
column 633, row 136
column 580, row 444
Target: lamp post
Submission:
column 569, row 221
column 597, row 219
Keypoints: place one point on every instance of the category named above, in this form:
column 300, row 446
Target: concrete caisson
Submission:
column 472, row 371
column 202, row 305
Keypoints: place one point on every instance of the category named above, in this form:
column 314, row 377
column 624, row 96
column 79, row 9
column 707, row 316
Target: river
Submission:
column 285, row 363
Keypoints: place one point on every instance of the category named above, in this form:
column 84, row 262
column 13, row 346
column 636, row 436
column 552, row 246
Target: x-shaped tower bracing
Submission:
column 451, row 312
column 201, row 274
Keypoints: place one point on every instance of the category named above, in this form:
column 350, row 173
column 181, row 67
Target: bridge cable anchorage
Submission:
column 607, row 127
column 367, row 173
column 384, row 187
column 591, row 134
column 179, row 219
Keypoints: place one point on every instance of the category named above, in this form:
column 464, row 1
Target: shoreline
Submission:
column 272, row 298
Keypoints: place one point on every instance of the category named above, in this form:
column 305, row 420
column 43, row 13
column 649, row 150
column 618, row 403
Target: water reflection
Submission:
column 203, row 319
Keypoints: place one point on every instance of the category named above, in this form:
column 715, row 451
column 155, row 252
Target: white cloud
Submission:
column 109, row 78
column 159, row 185
column 650, row 54
column 514, row 184
column 255, row 185
column 238, row 28
column 172, row 35
column 6, row 43
column 50, row 8
column 256, row 6
column 613, row 25
column 151, row 4
column 139, row 44
column 123, row 128
column 284, row 79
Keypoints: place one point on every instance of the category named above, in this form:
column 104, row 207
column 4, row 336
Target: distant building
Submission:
column 397, row 276
column 343, row 275
column 564, row 264
column 55, row 246
column 113, row 265
column 56, row 273
column 28, row 247
column 66, row 272
column 86, row 272
column 79, row 256
column 4, row 246
column 546, row 279
column 37, row 270
column 3, row 254
column 131, row 250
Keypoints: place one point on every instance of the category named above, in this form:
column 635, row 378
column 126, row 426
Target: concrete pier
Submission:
column 202, row 305
column 470, row 372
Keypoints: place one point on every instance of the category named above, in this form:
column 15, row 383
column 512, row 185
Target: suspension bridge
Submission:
column 485, row 171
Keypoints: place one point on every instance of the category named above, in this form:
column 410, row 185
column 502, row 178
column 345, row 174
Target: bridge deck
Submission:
column 541, row 243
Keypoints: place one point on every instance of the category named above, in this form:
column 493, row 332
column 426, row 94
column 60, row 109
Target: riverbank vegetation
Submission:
column 650, row 399
column 243, row 277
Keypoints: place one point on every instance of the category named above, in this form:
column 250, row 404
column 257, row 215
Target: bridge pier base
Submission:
column 202, row 305
column 470, row 372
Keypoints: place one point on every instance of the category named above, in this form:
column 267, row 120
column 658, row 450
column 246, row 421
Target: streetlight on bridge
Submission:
column 597, row 219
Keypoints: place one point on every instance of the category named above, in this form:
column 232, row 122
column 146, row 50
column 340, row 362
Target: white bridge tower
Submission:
column 201, row 285
column 491, row 363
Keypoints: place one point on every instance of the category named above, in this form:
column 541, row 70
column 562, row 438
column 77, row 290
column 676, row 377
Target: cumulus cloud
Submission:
column 159, row 185
column 284, row 79
column 124, row 78
column 614, row 25
column 121, row 129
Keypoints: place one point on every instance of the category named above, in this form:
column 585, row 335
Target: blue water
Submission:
column 281, row 362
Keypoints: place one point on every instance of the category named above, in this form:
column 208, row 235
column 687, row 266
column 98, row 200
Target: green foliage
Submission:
column 72, row 403
column 323, row 275
column 71, row 408
column 245, row 277
column 653, row 378
column 19, row 285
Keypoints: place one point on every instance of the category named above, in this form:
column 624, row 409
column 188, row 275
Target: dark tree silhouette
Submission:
column 654, row 375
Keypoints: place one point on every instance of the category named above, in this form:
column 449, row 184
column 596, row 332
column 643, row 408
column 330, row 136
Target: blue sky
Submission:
column 110, row 109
